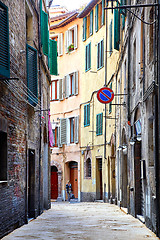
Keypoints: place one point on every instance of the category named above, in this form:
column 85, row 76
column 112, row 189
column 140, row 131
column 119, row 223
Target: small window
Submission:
column 88, row 168
column 72, row 83
column 88, row 57
column 54, row 90
column 87, row 115
column 99, row 124
column 55, row 135
column 72, row 127
column 100, row 55
column 3, row 156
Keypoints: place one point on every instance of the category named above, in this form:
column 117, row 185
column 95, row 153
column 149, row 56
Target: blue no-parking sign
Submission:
column 105, row 95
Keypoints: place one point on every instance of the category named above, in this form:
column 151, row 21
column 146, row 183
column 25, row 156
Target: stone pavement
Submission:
column 85, row 221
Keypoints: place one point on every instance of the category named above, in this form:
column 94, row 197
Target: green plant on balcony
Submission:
column 70, row 47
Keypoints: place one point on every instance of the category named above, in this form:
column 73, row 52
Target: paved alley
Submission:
column 87, row 221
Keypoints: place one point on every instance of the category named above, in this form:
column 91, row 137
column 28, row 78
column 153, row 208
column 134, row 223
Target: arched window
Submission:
column 88, row 167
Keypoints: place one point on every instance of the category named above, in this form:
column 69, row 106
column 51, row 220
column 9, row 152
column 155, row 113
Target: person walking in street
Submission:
column 69, row 190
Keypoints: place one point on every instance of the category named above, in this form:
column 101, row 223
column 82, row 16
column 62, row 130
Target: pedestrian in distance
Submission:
column 69, row 190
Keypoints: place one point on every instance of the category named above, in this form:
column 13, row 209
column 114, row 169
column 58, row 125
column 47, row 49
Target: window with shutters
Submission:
column 100, row 55
column 63, row 131
column 99, row 15
column 53, row 57
column 54, row 90
column 110, row 39
column 88, row 26
column 60, row 44
column 86, row 115
column 4, row 40
column 71, row 41
column 99, row 124
column 71, row 84
column 88, row 57
column 55, row 136
column 32, row 80
column 3, row 156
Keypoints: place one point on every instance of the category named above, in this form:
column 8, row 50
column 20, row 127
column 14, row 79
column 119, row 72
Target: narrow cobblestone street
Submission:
column 88, row 221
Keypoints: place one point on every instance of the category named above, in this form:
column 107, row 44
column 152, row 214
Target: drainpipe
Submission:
column 128, row 91
column 105, row 114
column 157, row 129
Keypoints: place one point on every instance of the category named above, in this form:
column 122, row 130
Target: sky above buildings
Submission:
column 70, row 4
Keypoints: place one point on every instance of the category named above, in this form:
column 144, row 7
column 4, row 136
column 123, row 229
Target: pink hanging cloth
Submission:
column 51, row 138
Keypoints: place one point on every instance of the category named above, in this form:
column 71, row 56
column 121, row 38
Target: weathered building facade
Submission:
column 24, row 95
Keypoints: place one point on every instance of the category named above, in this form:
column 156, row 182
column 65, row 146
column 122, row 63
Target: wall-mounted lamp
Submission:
column 139, row 138
column 132, row 141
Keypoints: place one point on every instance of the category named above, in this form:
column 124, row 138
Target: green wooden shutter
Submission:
column 4, row 42
column 85, row 58
column 101, row 123
column 110, row 38
column 84, row 28
column 110, row 106
column 85, row 115
column 91, row 23
column 32, row 80
column 116, row 29
column 97, row 124
column 53, row 57
column 103, row 14
column 88, row 114
column 45, row 33
column 102, row 53
column 96, row 18
column 89, row 47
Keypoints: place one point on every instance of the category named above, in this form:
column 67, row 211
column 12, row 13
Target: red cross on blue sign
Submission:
column 105, row 95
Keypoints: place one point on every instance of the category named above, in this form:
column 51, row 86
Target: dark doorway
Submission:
column 139, row 201
column 74, row 177
column 31, row 184
column 99, row 195
column 54, row 182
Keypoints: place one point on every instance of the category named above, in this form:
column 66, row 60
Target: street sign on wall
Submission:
column 105, row 95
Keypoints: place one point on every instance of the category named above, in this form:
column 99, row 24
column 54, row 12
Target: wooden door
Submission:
column 54, row 185
column 74, row 180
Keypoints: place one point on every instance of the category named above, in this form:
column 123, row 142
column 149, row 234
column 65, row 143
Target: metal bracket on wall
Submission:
column 3, row 79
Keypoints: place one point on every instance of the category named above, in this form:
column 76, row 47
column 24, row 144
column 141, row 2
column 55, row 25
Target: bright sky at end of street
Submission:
column 70, row 4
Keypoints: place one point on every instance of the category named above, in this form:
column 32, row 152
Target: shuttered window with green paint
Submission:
column 32, row 80
column 110, row 106
column 84, row 29
column 110, row 39
column 44, row 32
column 4, row 42
column 53, row 57
column 116, row 29
column 88, row 57
column 86, row 115
column 100, row 54
column 99, row 124
column 91, row 23
column 96, row 18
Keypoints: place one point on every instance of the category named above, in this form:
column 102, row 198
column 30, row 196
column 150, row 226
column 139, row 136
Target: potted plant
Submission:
column 70, row 47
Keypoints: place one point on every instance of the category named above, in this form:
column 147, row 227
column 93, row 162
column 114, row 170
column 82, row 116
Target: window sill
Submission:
column 100, row 68
column 86, row 70
column 87, row 125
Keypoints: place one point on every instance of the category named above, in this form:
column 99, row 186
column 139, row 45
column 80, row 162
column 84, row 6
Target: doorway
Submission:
column 54, row 182
column 31, row 184
column 139, row 200
column 74, row 177
column 99, row 195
